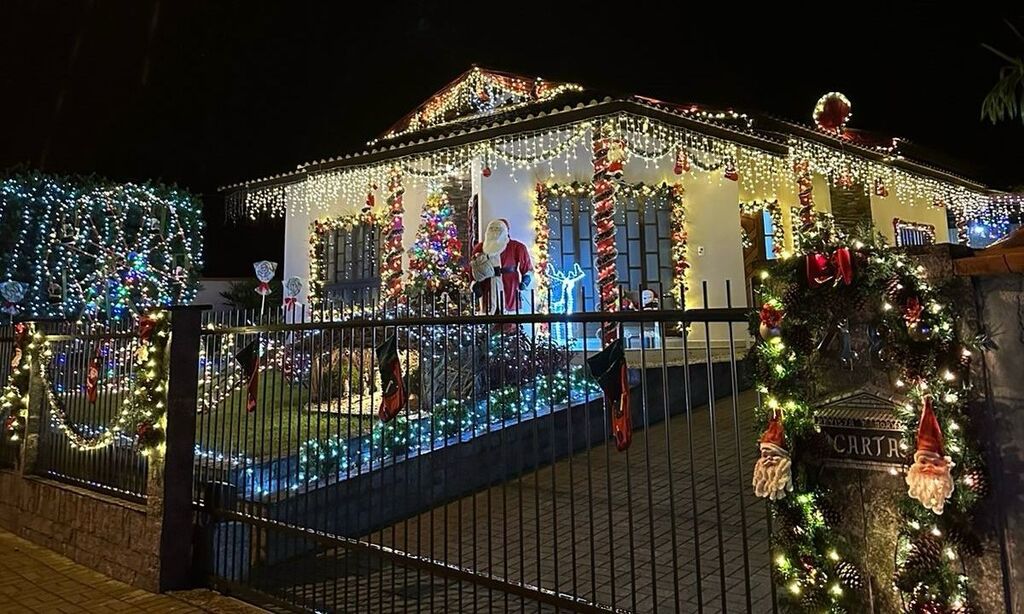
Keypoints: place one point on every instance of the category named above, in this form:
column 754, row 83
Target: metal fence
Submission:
column 73, row 416
column 498, row 487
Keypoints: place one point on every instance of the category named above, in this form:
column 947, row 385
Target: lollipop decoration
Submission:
column 265, row 270
column 13, row 293
column 292, row 289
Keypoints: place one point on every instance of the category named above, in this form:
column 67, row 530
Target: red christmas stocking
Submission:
column 609, row 368
column 393, row 395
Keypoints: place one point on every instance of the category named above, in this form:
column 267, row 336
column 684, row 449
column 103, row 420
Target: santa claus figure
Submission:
column 501, row 269
column 773, row 476
column 930, row 479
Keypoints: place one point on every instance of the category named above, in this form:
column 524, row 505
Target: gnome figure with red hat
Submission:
column 501, row 269
column 930, row 478
column 773, row 476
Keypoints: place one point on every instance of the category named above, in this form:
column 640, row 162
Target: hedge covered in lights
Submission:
column 74, row 246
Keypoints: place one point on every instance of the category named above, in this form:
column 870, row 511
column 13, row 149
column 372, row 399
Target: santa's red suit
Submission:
column 500, row 266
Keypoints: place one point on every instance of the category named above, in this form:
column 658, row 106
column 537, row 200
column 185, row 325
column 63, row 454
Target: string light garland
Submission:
column 926, row 231
column 480, row 93
column 90, row 248
column 142, row 416
column 862, row 280
column 673, row 194
column 755, row 207
column 319, row 231
column 14, row 399
column 391, row 265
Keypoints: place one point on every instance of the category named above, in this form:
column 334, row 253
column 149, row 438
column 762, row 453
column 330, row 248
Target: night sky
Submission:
column 207, row 93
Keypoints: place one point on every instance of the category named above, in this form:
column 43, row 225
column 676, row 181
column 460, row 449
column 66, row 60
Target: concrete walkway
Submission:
column 34, row 579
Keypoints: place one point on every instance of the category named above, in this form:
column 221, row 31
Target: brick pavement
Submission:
column 36, row 580
column 563, row 529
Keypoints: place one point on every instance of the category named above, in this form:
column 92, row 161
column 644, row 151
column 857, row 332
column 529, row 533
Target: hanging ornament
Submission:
column 730, row 171
column 771, row 322
column 682, row 164
column 920, row 331
column 831, row 112
column 148, row 436
column 772, row 472
column 881, row 189
column 486, row 172
column 265, row 270
column 845, row 180
column 823, row 268
column 929, row 478
column 92, row 379
column 368, row 206
column 13, row 292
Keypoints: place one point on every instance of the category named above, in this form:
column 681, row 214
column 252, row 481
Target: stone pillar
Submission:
column 170, row 476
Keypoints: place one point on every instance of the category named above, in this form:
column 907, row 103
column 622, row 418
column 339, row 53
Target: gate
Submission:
column 498, row 486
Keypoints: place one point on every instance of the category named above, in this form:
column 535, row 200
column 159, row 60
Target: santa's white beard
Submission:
column 495, row 239
column 930, row 480
column 772, row 476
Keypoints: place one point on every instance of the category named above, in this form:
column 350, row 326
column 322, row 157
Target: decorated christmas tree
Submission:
column 434, row 259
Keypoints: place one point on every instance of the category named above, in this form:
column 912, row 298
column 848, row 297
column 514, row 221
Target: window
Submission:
column 353, row 263
column 771, row 234
column 643, row 236
column 912, row 233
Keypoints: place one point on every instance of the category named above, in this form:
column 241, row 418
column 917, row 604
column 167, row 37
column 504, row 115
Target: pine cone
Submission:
column 849, row 575
column 892, row 289
column 814, row 600
column 925, row 555
column 829, row 511
column 791, row 296
column 967, row 543
column 976, row 480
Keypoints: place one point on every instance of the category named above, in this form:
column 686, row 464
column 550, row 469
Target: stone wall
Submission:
column 117, row 538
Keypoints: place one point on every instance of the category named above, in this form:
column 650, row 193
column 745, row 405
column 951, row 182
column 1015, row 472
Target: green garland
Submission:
column 143, row 414
column 925, row 351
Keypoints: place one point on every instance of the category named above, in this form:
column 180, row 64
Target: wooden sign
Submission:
column 862, row 431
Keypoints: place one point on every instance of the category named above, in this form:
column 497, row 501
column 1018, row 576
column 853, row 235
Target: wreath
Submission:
column 809, row 303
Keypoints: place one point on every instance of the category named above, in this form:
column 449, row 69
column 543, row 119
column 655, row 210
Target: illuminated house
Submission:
column 704, row 195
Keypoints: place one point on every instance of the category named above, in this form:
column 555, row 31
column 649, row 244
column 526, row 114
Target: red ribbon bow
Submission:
column 822, row 268
column 263, row 288
column 289, row 302
column 146, row 326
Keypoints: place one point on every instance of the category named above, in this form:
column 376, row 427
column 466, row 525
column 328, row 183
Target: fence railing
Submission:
column 86, row 374
column 498, row 486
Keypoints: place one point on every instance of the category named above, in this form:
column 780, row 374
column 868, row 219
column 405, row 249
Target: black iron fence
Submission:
column 498, row 486
column 86, row 372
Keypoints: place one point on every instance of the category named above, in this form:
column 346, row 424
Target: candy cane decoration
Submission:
column 608, row 158
column 393, row 242
column 805, row 194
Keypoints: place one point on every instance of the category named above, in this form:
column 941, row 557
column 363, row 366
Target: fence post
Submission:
column 170, row 486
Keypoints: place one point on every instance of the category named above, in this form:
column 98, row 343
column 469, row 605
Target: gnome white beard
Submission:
column 930, row 480
column 772, row 475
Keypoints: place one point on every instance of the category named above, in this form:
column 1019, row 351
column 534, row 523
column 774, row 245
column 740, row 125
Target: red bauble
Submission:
column 832, row 112
column 486, row 172
column 880, row 188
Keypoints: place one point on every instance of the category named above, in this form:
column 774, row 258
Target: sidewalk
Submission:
column 34, row 579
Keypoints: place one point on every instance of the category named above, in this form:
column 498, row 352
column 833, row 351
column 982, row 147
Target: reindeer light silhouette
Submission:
column 567, row 281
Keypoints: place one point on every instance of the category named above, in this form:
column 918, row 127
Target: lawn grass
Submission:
column 278, row 426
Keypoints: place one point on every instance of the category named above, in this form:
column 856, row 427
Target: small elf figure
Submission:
column 773, row 477
column 930, row 479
